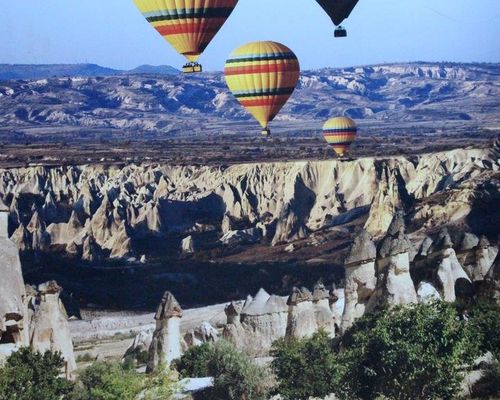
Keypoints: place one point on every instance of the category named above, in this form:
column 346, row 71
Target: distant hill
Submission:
column 153, row 69
column 141, row 103
column 42, row 71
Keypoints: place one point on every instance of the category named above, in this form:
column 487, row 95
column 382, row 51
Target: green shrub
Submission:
column 108, row 381
column 113, row 381
column 194, row 362
column 235, row 375
column 412, row 352
column 485, row 323
column 304, row 368
column 29, row 375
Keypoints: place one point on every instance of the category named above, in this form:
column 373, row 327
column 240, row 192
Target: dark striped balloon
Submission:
column 188, row 25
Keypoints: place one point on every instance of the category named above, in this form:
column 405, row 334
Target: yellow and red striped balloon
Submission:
column 262, row 76
column 339, row 133
column 188, row 25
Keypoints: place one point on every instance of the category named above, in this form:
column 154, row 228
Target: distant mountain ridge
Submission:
column 44, row 71
column 139, row 102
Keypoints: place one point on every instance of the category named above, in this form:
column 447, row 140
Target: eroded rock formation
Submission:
column 49, row 328
column 30, row 317
column 166, row 342
column 276, row 202
column 360, row 278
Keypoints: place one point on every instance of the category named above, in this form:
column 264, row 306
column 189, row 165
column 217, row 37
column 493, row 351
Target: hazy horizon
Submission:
column 115, row 35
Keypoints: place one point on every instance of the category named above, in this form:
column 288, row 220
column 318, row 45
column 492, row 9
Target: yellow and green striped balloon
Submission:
column 188, row 25
column 339, row 133
column 262, row 76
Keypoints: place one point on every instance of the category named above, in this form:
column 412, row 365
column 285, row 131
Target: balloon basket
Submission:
column 191, row 68
column 340, row 32
column 265, row 132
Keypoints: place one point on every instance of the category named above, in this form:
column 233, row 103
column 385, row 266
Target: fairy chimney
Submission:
column 166, row 343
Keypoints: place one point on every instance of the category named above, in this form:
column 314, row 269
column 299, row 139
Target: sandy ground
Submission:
column 110, row 335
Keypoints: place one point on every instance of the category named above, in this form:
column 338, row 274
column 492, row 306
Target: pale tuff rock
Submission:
column 263, row 319
column 449, row 269
column 142, row 342
column 394, row 283
column 245, row 236
column 362, row 250
column 91, row 251
column 227, row 224
column 469, row 242
column 425, row 247
column 426, row 292
column 391, row 195
column 325, row 318
column 202, row 334
column 360, row 279
column 485, row 257
column 284, row 200
column 4, row 220
column 301, row 314
column 337, row 305
column 21, row 238
column 187, row 245
column 49, row 328
column 14, row 328
column 166, row 342
column 233, row 311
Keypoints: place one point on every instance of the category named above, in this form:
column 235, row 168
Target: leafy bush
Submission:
column 108, row 381
column 412, row 352
column 305, row 368
column 485, row 322
column 111, row 381
column 194, row 362
column 236, row 377
column 29, row 375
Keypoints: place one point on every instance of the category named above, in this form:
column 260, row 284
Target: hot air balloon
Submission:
column 188, row 25
column 338, row 10
column 262, row 76
column 339, row 133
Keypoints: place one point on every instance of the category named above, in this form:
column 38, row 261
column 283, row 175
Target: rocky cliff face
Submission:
column 28, row 316
column 95, row 213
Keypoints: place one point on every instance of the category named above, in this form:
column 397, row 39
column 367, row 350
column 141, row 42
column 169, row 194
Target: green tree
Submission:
column 305, row 367
column 411, row 352
column 236, row 377
column 29, row 375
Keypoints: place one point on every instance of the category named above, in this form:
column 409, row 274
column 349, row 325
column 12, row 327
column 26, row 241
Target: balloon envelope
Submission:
column 339, row 133
column 338, row 10
column 262, row 76
column 188, row 25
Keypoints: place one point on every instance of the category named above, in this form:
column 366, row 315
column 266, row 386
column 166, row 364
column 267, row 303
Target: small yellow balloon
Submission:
column 340, row 133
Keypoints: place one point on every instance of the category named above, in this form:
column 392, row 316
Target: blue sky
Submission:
column 113, row 33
